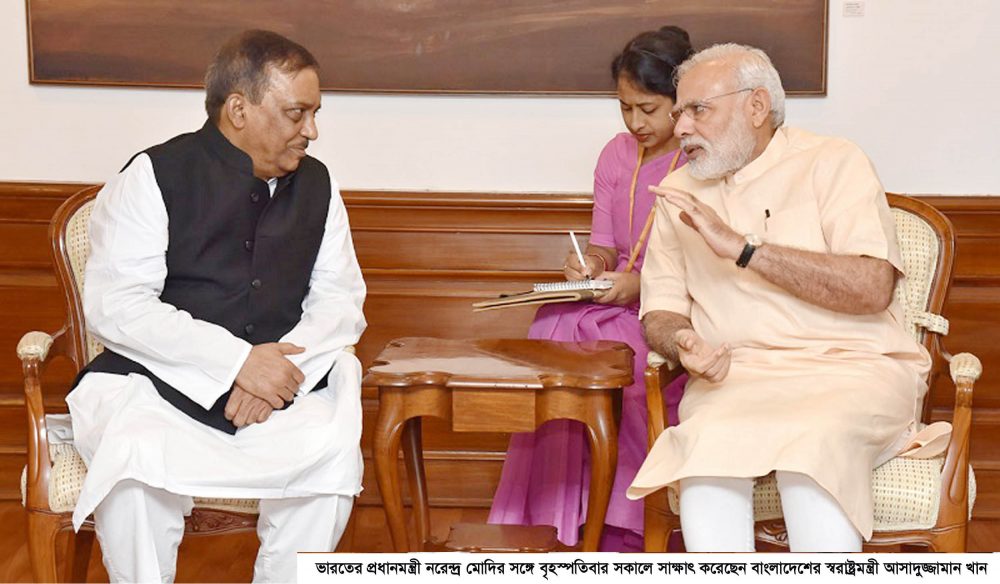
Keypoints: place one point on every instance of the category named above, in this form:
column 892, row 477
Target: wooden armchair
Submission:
column 918, row 503
column 54, row 472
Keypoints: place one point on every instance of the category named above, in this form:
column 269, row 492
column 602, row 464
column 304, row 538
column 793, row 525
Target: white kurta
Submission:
column 123, row 429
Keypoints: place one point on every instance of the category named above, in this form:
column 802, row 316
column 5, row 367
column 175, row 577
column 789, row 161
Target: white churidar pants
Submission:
column 140, row 527
column 717, row 515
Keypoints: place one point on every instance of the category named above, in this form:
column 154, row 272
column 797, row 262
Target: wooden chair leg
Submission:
column 42, row 531
column 656, row 541
column 79, row 555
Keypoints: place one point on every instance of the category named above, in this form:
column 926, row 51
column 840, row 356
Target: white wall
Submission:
column 915, row 82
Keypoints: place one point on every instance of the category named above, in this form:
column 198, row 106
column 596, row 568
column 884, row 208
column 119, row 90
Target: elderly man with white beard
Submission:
column 770, row 277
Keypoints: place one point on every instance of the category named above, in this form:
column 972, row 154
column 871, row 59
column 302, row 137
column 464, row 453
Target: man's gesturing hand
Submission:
column 269, row 375
column 725, row 242
column 244, row 409
column 700, row 359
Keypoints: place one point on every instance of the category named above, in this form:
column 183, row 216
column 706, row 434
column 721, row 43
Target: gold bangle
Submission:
column 604, row 262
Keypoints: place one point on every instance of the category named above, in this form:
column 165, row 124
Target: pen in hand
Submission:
column 579, row 254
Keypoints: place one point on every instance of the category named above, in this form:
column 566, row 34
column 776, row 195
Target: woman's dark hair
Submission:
column 243, row 65
column 650, row 59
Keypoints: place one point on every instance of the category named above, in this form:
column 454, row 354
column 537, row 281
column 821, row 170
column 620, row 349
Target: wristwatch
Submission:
column 753, row 242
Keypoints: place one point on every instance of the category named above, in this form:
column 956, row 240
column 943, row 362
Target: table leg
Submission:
column 413, row 456
column 388, row 429
column 603, row 438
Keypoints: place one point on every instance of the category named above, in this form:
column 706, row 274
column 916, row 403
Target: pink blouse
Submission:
column 612, row 178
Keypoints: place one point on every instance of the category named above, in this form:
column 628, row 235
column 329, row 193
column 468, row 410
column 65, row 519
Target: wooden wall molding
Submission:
column 426, row 257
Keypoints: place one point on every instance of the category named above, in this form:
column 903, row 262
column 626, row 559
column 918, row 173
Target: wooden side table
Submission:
column 494, row 385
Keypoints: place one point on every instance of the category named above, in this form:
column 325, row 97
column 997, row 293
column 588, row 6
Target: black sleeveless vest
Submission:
column 237, row 257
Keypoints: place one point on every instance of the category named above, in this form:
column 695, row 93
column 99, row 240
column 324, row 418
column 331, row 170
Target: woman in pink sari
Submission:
column 546, row 476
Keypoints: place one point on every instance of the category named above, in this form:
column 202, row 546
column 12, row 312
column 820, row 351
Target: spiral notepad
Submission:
column 574, row 285
column 546, row 293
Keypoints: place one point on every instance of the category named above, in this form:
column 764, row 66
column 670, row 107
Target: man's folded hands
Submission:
column 267, row 380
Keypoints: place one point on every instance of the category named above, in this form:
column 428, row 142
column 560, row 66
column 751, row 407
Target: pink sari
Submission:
column 546, row 475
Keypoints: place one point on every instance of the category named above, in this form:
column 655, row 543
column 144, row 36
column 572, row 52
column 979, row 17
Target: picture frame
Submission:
column 559, row 47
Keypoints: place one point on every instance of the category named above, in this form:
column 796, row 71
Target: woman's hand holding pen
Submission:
column 624, row 292
column 626, row 284
column 573, row 270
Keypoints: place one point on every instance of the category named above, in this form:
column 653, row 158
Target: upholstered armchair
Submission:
column 54, row 472
column 922, row 503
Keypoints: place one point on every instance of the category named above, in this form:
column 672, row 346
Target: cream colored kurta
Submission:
column 810, row 390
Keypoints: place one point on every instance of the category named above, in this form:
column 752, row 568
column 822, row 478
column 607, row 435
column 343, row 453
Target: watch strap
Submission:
column 745, row 256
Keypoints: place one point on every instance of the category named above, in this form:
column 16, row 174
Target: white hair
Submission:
column 753, row 68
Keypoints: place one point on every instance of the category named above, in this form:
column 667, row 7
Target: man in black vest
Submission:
column 224, row 285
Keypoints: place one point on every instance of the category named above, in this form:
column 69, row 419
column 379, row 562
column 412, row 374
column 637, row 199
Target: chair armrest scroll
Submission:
column 654, row 359
column 965, row 365
column 34, row 345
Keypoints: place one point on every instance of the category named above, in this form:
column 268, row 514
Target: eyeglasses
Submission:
column 697, row 110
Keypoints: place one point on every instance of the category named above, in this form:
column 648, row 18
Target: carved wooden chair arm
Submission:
column 659, row 372
column 34, row 350
column 656, row 509
column 965, row 370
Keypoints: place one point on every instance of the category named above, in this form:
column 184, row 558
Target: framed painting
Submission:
column 433, row 46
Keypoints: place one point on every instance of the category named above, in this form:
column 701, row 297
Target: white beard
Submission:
column 733, row 151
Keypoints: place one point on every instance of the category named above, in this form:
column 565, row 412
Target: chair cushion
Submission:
column 69, row 470
column 919, row 248
column 77, row 251
column 907, row 492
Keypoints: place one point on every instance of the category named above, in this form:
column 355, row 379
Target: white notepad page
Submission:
column 574, row 285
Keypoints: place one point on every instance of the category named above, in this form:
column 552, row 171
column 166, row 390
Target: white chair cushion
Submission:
column 906, row 490
column 78, row 249
column 919, row 248
column 69, row 470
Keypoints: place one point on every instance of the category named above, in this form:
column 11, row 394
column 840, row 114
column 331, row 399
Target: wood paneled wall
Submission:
column 426, row 257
